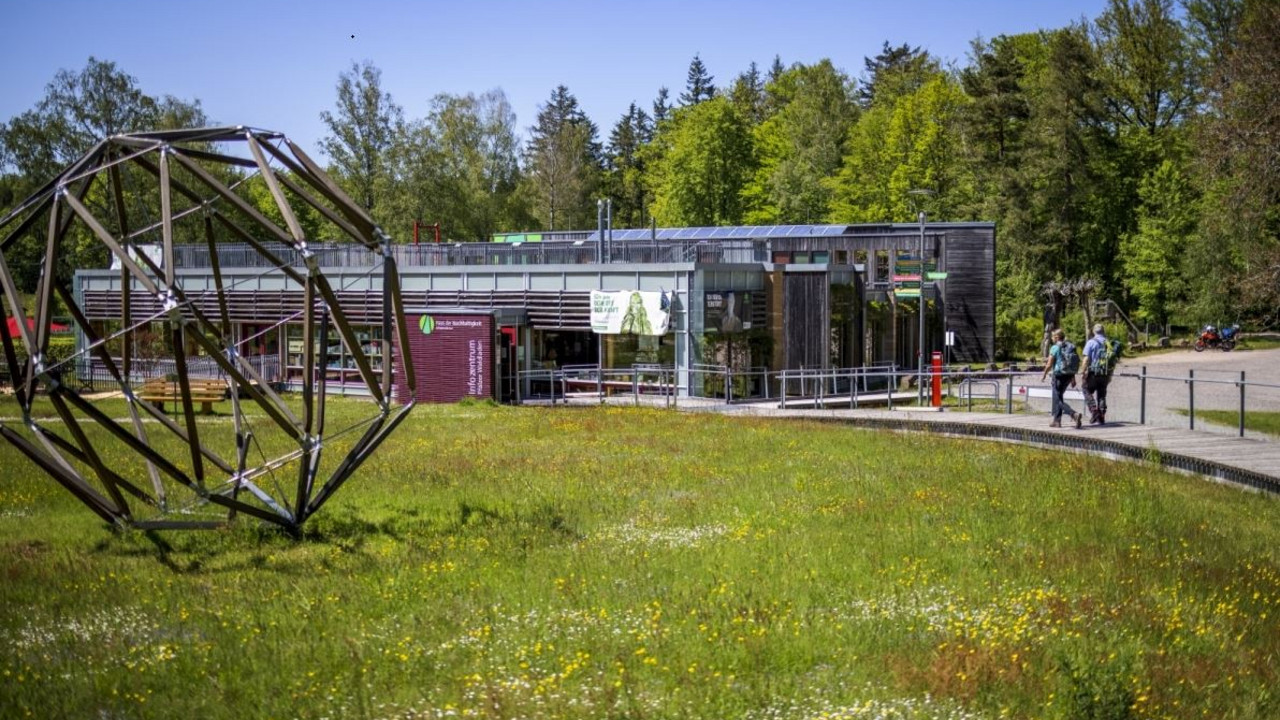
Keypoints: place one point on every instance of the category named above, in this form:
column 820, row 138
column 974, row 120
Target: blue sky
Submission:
column 275, row 64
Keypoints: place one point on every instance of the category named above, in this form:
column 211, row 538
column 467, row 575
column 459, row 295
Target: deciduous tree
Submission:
column 362, row 130
column 1153, row 254
column 801, row 146
column 707, row 162
column 79, row 109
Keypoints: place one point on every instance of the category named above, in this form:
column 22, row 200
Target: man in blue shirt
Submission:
column 1096, row 376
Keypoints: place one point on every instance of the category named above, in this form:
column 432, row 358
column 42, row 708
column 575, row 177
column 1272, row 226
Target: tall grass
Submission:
column 616, row 562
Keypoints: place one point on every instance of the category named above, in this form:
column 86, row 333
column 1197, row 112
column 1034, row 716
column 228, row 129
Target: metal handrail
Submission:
column 822, row 385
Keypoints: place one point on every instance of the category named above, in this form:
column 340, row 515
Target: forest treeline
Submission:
column 1139, row 150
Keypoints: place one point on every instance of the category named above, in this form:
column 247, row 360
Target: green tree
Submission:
column 747, row 95
column 459, row 167
column 895, row 72
column 700, row 85
column 1239, row 156
column 1153, row 267
column 314, row 225
column 1213, row 28
column 624, row 168
column 79, row 109
column 1146, row 65
column 563, row 163
column 661, row 107
column 1061, row 174
column 801, row 145
column 917, row 143
column 707, row 159
column 776, row 68
column 362, row 130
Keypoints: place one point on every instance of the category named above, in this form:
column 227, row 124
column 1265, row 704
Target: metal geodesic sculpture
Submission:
column 174, row 189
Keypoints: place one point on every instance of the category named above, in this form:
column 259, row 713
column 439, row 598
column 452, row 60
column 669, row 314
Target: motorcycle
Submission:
column 1210, row 337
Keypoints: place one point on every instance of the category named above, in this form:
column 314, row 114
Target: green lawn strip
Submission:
column 504, row 562
column 1267, row 343
column 1263, row 421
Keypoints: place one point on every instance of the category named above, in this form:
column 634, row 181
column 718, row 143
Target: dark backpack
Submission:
column 1068, row 359
column 1108, row 358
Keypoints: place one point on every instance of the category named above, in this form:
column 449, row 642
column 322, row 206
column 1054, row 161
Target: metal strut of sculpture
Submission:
column 173, row 189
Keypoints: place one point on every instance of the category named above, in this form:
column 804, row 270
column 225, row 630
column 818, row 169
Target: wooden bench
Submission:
column 203, row 391
column 586, row 387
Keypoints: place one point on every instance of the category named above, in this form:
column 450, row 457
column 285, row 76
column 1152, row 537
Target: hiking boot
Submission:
column 1102, row 418
column 1056, row 423
column 1079, row 420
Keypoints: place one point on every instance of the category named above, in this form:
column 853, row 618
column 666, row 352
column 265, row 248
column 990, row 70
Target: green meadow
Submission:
column 499, row 562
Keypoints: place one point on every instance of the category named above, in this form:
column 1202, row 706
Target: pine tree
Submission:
column 564, row 162
column 895, row 72
column 776, row 69
column 661, row 107
column 626, row 168
column 747, row 94
column 699, row 86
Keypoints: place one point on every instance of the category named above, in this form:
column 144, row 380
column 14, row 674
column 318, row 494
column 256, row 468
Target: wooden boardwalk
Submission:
column 1247, row 461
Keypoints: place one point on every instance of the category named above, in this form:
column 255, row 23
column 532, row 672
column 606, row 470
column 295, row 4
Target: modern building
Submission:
column 757, row 299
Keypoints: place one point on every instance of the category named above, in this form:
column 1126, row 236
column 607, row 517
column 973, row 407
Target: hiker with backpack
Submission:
column 1100, row 356
column 1064, row 362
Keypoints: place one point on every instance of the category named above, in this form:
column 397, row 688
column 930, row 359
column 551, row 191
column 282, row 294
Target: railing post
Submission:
column 1142, row 399
column 783, row 391
column 1191, row 390
column 893, row 372
column 1008, row 403
column 1241, row 403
